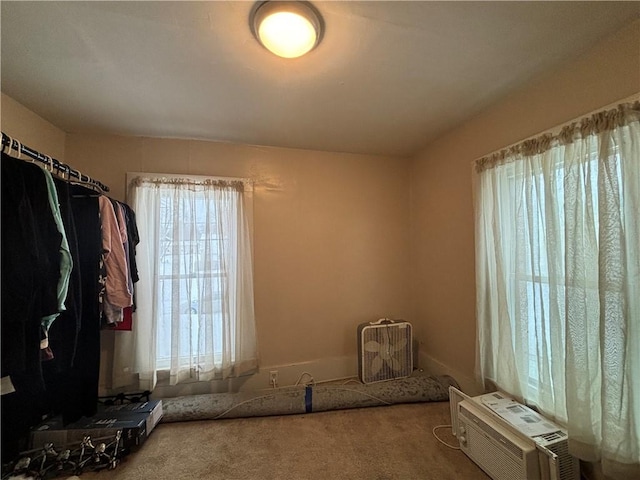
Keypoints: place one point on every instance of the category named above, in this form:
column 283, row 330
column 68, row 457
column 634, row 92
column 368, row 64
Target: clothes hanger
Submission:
column 7, row 147
column 93, row 190
column 10, row 146
column 19, row 149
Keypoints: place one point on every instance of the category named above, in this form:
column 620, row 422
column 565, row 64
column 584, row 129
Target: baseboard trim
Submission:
column 319, row 370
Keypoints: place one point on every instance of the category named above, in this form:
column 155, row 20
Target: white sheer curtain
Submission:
column 195, row 316
column 558, row 281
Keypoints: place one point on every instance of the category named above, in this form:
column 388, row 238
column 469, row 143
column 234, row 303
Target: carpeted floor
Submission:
column 379, row 443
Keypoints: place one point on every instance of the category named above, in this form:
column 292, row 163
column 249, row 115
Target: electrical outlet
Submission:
column 273, row 378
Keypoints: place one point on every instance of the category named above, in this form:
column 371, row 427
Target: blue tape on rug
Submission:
column 308, row 403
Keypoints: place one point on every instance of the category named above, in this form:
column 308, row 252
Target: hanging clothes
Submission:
column 63, row 334
column 30, row 272
column 81, row 392
column 66, row 251
column 128, row 219
column 133, row 240
column 117, row 294
column 66, row 265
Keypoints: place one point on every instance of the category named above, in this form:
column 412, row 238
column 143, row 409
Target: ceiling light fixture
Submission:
column 287, row 28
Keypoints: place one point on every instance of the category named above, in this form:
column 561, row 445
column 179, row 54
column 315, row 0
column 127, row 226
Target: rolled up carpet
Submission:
column 307, row 399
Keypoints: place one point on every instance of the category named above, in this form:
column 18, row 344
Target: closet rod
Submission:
column 31, row 153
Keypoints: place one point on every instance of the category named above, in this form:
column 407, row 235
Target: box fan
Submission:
column 385, row 350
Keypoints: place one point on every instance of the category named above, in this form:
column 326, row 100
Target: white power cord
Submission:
column 239, row 404
column 279, row 391
column 440, row 440
column 352, row 380
column 310, row 382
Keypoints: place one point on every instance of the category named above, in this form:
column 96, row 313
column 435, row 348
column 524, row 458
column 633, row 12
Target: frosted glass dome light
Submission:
column 286, row 28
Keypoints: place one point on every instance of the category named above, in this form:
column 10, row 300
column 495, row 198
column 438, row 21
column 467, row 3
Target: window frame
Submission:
column 163, row 363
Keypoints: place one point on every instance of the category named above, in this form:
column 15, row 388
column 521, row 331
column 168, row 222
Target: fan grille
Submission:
column 385, row 351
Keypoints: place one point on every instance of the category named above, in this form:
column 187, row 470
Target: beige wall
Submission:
column 443, row 277
column 32, row 130
column 331, row 237
column 331, row 231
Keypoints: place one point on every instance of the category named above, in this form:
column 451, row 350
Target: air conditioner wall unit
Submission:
column 500, row 453
column 385, row 350
column 508, row 440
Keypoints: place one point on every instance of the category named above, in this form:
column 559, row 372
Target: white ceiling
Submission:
column 387, row 78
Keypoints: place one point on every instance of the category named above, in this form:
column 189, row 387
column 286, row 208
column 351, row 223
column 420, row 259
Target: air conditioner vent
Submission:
column 551, row 437
column 514, row 449
column 567, row 463
column 501, row 453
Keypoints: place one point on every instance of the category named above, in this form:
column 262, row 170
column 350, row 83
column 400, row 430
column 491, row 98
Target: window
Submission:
column 191, row 280
column 195, row 294
column 558, row 280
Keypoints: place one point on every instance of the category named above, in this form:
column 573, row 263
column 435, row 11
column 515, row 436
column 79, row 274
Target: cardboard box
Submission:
column 101, row 429
column 153, row 407
column 136, row 422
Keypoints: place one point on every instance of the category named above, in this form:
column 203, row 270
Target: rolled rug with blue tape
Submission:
column 306, row 399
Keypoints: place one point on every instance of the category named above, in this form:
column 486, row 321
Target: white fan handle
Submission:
column 382, row 320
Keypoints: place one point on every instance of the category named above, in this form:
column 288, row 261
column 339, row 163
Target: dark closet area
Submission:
column 53, row 290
